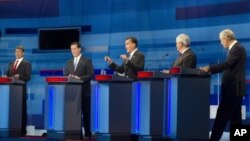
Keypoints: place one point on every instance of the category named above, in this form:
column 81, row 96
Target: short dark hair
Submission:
column 20, row 47
column 76, row 43
column 133, row 40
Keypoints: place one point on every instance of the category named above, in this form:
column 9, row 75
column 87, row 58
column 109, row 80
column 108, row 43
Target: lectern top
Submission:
column 62, row 79
column 172, row 72
column 111, row 78
column 10, row 80
column 187, row 71
column 151, row 74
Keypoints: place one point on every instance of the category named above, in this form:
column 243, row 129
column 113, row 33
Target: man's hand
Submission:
column 165, row 71
column 108, row 59
column 16, row 76
column 77, row 77
column 74, row 76
column 124, row 57
column 204, row 69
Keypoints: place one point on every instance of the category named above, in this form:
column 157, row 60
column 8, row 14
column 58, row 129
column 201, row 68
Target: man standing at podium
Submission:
column 80, row 67
column 233, row 86
column 133, row 61
column 21, row 69
column 186, row 57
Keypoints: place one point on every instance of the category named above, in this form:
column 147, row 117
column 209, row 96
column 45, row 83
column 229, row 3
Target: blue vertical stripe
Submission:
column 4, row 106
column 51, row 107
column 97, row 108
column 138, row 94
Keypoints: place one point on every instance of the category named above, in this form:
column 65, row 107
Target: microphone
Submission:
column 162, row 59
column 159, row 62
column 147, row 67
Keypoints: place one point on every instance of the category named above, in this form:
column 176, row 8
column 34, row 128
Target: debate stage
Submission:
column 38, row 138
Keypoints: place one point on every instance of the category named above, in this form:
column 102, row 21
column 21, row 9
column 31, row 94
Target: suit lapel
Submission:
column 176, row 63
column 77, row 66
column 19, row 68
column 180, row 58
column 132, row 59
column 79, row 62
column 183, row 55
column 134, row 56
column 71, row 66
column 232, row 49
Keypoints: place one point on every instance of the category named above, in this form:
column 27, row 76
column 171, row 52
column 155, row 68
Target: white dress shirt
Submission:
column 19, row 61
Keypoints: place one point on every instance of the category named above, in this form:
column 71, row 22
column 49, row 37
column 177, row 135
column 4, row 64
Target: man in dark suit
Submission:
column 233, row 86
column 81, row 68
column 21, row 69
column 132, row 62
column 186, row 57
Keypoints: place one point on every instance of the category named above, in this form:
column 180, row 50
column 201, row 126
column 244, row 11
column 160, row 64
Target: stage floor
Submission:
column 225, row 137
column 35, row 138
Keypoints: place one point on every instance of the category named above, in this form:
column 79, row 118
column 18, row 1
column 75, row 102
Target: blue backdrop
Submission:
column 105, row 24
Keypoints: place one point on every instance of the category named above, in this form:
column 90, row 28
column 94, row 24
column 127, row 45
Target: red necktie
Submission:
column 15, row 66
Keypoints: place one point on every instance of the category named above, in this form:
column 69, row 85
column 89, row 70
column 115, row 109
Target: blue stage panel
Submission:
column 4, row 106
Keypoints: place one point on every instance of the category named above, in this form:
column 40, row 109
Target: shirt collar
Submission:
column 20, row 59
column 133, row 52
column 184, row 50
column 78, row 57
column 231, row 46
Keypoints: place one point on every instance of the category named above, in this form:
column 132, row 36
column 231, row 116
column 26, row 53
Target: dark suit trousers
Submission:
column 86, row 115
column 229, row 110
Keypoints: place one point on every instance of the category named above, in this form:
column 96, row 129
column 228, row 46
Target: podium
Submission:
column 63, row 113
column 186, row 105
column 147, row 105
column 111, row 108
column 10, row 107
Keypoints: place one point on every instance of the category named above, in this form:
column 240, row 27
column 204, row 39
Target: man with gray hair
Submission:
column 186, row 57
column 233, row 85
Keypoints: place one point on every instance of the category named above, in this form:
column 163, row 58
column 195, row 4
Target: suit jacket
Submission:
column 130, row 68
column 24, row 70
column 186, row 60
column 233, row 79
column 84, row 70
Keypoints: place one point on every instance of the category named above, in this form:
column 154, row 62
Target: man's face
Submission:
column 224, row 42
column 19, row 53
column 75, row 50
column 130, row 46
column 179, row 46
